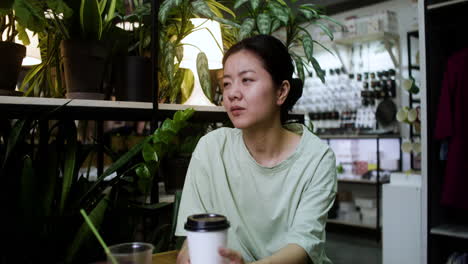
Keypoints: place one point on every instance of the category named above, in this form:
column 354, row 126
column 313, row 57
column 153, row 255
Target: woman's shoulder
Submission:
column 314, row 144
column 218, row 138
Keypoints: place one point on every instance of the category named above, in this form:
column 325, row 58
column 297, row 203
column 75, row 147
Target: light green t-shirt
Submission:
column 268, row 207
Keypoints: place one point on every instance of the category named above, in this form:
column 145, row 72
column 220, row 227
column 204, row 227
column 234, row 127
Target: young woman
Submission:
column 275, row 183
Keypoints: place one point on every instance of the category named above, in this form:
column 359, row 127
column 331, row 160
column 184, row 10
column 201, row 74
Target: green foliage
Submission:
column 273, row 15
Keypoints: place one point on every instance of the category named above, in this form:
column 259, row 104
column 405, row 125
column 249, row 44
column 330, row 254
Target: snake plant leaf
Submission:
column 70, row 162
column 90, row 19
column 102, row 6
column 308, row 45
column 279, row 12
column 299, row 67
column 165, row 9
column 186, row 87
column 318, row 70
column 204, row 74
column 246, row 28
column 149, row 154
column 110, row 12
column 238, row 3
column 201, row 8
column 84, row 233
column 264, row 23
column 254, row 4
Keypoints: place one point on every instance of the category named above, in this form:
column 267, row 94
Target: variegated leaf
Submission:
column 246, row 28
column 165, row 8
column 169, row 60
column 280, row 12
column 299, row 67
column 204, row 74
column 264, row 23
column 201, row 8
column 318, row 70
column 275, row 25
column 308, row 45
column 180, row 53
column 254, row 4
column 187, row 85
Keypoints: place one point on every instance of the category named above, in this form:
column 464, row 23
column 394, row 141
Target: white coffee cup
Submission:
column 206, row 233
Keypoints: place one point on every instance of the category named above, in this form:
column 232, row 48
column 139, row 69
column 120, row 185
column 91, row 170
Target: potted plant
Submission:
column 132, row 69
column 175, row 83
column 15, row 17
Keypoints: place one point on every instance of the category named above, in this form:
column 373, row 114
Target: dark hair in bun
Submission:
column 277, row 61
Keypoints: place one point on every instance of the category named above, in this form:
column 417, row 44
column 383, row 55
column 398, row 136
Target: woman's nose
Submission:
column 234, row 93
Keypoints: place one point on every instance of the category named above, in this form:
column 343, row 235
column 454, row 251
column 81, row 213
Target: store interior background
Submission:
column 358, row 245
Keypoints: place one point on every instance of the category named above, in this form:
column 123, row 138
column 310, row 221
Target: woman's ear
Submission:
column 282, row 92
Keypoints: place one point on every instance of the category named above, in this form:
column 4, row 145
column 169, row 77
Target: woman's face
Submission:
column 250, row 96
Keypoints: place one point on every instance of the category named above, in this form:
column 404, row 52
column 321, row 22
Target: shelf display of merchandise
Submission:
column 356, row 102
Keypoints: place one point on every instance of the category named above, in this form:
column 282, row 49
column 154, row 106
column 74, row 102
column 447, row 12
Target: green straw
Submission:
column 99, row 238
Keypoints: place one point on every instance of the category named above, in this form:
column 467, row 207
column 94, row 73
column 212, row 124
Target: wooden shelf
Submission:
column 78, row 109
column 457, row 231
column 353, row 224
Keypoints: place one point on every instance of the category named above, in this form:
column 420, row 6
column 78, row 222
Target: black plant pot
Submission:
column 132, row 77
column 11, row 55
column 173, row 171
column 85, row 64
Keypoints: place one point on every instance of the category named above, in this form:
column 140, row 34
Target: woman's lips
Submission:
column 236, row 110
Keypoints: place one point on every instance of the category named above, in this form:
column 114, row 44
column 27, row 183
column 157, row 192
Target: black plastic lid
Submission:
column 206, row 222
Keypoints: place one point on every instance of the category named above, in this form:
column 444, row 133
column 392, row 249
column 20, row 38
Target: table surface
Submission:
column 168, row 257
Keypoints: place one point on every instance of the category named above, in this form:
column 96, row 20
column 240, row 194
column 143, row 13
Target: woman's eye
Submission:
column 246, row 80
column 225, row 84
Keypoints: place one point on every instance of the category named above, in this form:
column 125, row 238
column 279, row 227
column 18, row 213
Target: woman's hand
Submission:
column 233, row 256
column 183, row 256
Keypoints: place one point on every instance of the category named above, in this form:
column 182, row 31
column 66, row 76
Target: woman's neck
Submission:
column 271, row 145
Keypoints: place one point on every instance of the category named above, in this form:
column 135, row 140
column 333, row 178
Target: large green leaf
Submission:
column 264, row 23
column 22, row 35
column 326, row 30
column 186, row 87
column 90, row 20
column 6, row 4
column 279, row 12
column 165, row 9
column 30, row 14
column 201, row 8
column 70, row 162
column 254, row 4
column 246, row 28
column 144, row 179
column 204, row 75
column 84, row 232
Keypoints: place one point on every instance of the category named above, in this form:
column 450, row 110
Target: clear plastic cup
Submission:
column 132, row 253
